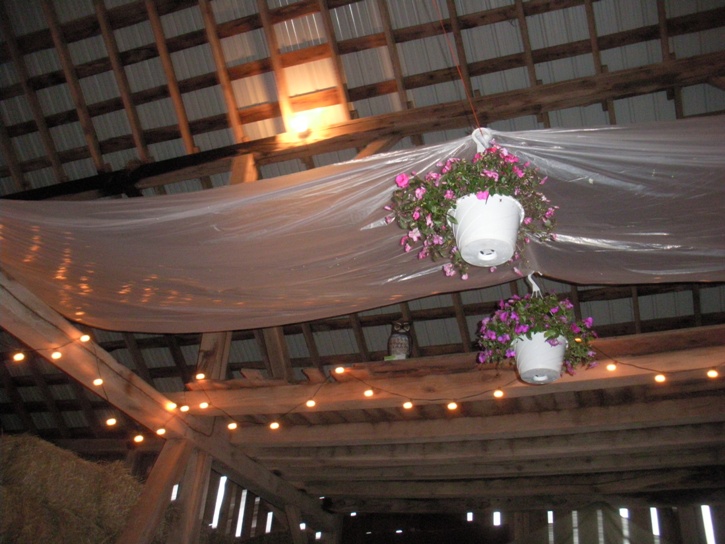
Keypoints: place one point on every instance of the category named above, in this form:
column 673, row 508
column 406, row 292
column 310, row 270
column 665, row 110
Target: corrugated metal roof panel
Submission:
column 183, row 21
column 87, row 50
column 229, row 10
column 356, row 20
column 15, row 110
column 246, row 47
column 25, row 16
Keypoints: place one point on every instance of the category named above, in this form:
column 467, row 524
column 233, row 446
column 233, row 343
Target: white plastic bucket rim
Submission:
column 486, row 230
column 537, row 361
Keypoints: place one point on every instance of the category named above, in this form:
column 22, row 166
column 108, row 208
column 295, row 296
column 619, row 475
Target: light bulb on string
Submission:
column 56, row 355
column 274, row 425
column 200, row 376
column 138, row 438
column 452, row 406
column 232, row 425
column 184, row 408
column 111, row 421
column 19, row 356
column 340, row 370
column 611, row 367
column 713, row 373
column 660, row 378
column 98, row 381
column 498, row 393
column 407, row 405
column 204, row 405
column 161, row 431
column 170, row 406
column 84, row 338
column 368, row 393
column 310, row 403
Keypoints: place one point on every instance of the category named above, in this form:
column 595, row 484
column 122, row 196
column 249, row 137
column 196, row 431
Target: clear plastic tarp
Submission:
column 637, row 204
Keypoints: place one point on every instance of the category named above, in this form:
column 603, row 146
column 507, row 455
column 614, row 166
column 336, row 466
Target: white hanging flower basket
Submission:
column 539, row 362
column 486, row 229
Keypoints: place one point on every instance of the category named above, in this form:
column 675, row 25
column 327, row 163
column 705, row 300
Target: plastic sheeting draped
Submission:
column 638, row 204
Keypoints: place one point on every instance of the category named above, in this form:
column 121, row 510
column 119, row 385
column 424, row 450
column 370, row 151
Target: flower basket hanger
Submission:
column 540, row 334
column 480, row 212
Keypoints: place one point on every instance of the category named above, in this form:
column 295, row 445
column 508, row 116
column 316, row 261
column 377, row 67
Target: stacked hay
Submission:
column 51, row 495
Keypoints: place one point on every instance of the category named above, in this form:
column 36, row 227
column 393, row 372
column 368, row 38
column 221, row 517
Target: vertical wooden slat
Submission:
column 84, row 117
column 193, row 489
column 697, row 304
column 137, row 357
column 34, row 103
column 670, row 526
column 222, row 73
column 214, row 354
column 460, row 49
column 311, row 346
column 462, row 322
column 278, row 359
column 636, row 314
column 294, row 520
column 121, row 80
column 528, row 55
column 146, row 515
column 640, row 520
column 340, row 83
column 608, row 105
column 359, row 337
column 667, row 56
column 11, row 159
column 49, row 402
column 178, row 357
column 283, row 95
column 248, row 515
column 172, row 82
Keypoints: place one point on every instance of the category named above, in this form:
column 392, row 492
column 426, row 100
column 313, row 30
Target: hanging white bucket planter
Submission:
column 539, row 362
column 486, row 229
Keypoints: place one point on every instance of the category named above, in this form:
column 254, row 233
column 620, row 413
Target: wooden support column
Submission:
column 214, row 354
column 563, row 527
column 312, row 346
column 121, row 80
column 193, row 489
column 670, row 526
column 74, row 86
column 640, row 523
column 357, row 329
column 462, row 322
column 278, row 359
column 147, row 514
column 35, row 107
column 667, row 56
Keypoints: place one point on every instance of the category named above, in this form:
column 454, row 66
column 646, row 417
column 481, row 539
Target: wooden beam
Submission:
column 277, row 353
column 478, row 380
column 11, row 158
column 146, row 515
column 214, row 355
column 32, row 98
column 30, row 320
column 338, row 68
column 74, row 86
column 121, row 80
column 283, row 90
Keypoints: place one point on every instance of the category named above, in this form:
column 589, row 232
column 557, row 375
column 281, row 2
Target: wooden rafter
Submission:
column 33, row 102
column 71, row 79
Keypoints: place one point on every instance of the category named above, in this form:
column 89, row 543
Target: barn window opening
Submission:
column 624, row 513
column 469, row 516
column 219, row 501
column 270, row 519
column 240, row 517
column 497, row 519
column 707, row 522
column 174, row 492
column 550, row 523
column 655, row 521
column 575, row 527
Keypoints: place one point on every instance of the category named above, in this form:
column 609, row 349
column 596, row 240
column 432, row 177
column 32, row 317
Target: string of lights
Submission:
column 368, row 390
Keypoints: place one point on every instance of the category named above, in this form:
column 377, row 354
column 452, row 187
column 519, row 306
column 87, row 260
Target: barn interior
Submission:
column 157, row 139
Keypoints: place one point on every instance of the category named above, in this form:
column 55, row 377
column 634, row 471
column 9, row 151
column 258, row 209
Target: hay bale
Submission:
column 51, row 495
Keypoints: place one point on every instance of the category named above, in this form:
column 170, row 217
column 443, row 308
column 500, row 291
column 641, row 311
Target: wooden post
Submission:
column 146, row 515
column 193, row 489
